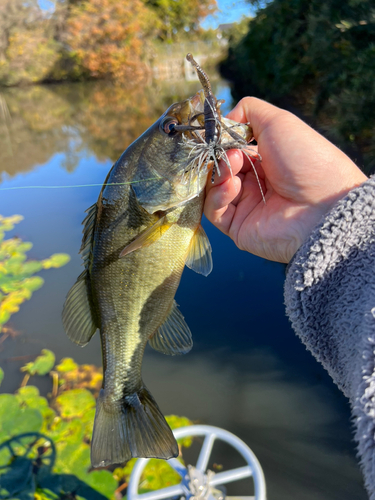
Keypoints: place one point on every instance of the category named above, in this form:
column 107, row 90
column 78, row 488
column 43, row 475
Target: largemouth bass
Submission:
column 137, row 238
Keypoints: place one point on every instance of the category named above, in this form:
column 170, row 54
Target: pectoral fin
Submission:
column 173, row 336
column 149, row 236
column 199, row 257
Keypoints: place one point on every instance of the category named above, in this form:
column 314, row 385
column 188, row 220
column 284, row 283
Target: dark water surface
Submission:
column 247, row 372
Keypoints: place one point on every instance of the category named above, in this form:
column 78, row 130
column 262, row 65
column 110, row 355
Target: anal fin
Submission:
column 173, row 336
column 77, row 316
column 199, row 257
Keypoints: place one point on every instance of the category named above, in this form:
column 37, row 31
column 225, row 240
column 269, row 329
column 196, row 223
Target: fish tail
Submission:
column 133, row 428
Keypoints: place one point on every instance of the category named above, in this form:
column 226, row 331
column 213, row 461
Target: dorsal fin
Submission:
column 88, row 232
column 78, row 318
column 173, row 336
column 78, row 314
column 199, row 257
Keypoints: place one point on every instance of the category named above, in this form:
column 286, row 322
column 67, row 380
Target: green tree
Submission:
column 317, row 55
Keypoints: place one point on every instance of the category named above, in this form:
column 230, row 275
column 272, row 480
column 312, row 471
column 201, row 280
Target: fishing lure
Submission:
column 211, row 147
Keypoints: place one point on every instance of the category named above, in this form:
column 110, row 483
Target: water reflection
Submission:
column 100, row 117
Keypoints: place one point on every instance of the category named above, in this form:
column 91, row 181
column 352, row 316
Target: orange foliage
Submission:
column 174, row 17
column 106, row 36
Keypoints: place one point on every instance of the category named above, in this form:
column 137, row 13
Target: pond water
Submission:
column 247, row 373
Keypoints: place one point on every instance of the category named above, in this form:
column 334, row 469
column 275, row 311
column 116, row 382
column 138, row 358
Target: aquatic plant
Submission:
column 17, row 280
column 45, row 442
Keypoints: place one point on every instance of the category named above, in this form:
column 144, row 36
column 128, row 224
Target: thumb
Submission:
column 256, row 112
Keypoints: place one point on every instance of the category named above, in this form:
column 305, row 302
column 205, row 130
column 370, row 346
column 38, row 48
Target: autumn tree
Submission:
column 27, row 47
column 176, row 16
column 107, row 37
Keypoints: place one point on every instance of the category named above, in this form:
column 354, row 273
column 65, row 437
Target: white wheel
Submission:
column 196, row 482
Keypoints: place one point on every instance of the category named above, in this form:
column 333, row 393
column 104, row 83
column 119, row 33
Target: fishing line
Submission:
column 79, row 185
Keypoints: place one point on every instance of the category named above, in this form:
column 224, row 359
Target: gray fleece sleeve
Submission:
column 330, row 300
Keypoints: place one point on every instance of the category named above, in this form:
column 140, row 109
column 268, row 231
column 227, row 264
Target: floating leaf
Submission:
column 33, row 284
column 66, row 365
column 9, row 407
column 56, row 260
column 174, row 421
column 75, row 403
column 158, row 474
column 73, row 458
column 16, row 419
column 42, row 365
column 31, row 267
column 102, row 481
column 67, row 432
column 45, row 494
column 29, row 396
column 87, row 420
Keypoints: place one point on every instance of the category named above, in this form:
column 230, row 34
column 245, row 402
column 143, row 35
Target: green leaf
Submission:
column 75, row 403
column 4, row 317
column 31, row 267
column 66, row 365
column 1, row 375
column 45, row 494
column 73, row 458
column 9, row 407
column 102, row 481
column 56, row 260
column 15, row 419
column 42, row 365
column 158, row 474
column 29, row 396
column 68, row 432
column 87, row 420
column 33, row 283
column 28, row 393
column 174, row 422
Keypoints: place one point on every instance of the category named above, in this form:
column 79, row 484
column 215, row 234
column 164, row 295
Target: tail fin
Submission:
column 135, row 429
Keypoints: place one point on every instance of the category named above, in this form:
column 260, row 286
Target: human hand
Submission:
column 302, row 176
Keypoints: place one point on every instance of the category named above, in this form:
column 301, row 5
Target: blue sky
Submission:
column 230, row 11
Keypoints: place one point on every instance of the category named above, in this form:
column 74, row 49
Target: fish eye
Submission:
column 168, row 125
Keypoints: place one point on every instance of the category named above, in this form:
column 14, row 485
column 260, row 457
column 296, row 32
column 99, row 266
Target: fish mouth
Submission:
column 200, row 157
column 203, row 156
column 190, row 113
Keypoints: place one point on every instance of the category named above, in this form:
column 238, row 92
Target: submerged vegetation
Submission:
column 89, row 39
column 316, row 58
column 45, row 442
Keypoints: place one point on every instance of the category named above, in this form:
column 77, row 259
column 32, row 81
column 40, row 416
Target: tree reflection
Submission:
column 98, row 117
